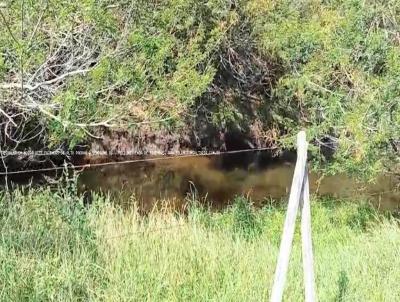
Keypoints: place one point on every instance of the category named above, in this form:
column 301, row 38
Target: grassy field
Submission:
column 52, row 247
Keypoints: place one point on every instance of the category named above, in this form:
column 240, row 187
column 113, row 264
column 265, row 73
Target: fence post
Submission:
column 289, row 226
column 307, row 252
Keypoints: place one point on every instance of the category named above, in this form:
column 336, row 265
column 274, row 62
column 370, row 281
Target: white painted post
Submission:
column 308, row 262
column 289, row 226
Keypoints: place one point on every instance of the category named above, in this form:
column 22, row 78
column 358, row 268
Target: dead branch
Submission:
column 49, row 82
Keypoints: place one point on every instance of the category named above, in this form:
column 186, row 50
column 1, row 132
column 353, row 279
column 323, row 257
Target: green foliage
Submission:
column 331, row 67
column 151, row 60
column 339, row 58
column 2, row 67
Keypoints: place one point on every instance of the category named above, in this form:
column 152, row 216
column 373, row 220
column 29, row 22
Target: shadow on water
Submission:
column 220, row 178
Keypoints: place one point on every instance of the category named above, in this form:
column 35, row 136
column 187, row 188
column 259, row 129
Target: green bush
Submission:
column 331, row 67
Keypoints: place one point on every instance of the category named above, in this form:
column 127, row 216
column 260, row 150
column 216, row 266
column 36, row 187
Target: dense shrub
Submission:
column 331, row 67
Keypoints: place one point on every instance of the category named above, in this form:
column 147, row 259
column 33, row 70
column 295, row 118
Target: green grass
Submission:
column 53, row 247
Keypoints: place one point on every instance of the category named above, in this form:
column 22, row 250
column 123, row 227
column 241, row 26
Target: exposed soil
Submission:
column 117, row 145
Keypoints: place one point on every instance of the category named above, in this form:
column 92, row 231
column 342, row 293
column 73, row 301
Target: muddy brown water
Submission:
column 218, row 179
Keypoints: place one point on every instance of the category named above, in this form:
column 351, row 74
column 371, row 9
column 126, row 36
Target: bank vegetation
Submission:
column 263, row 68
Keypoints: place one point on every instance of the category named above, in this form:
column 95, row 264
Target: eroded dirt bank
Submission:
column 122, row 144
column 117, row 145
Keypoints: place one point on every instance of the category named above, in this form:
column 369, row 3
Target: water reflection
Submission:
column 220, row 178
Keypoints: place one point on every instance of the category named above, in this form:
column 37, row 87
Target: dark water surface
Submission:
column 217, row 179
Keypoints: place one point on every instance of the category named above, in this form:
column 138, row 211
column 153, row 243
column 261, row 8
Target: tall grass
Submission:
column 54, row 247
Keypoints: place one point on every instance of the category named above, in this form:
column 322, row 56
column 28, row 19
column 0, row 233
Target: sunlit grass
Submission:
column 53, row 247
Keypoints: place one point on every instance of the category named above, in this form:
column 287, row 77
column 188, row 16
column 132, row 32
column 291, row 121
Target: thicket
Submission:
column 68, row 68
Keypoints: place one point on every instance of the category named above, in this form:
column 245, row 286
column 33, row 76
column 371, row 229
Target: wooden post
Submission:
column 289, row 226
column 308, row 262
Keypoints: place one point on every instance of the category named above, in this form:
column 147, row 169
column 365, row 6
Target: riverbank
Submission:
column 54, row 247
column 201, row 76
